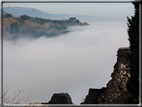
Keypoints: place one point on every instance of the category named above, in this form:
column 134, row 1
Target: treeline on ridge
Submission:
column 25, row 25
column 42, row 20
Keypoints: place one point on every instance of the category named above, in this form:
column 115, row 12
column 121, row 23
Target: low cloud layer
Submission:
column 71, row 63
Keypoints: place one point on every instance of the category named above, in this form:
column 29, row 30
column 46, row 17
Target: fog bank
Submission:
column 70, row 63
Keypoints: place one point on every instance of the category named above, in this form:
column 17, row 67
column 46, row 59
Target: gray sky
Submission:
column 108, row 10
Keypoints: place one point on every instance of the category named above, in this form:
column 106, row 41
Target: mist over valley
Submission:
column 61, row 48
column 71, row 63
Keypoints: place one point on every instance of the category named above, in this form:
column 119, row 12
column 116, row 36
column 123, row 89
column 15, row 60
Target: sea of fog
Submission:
column 70, row 63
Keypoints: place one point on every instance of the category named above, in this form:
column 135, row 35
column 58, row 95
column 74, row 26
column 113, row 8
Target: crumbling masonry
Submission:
column 116, row 91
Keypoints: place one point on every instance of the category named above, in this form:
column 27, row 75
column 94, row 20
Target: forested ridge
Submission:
column 27, row 26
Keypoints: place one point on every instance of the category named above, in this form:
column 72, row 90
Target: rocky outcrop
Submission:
column 115, row 92
column 93, row 96
column 60, row 98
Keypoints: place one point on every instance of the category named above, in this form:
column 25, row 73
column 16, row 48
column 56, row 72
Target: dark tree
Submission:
column 8, row 15
column 25, row 17
column 14, row 28
column 133, row 33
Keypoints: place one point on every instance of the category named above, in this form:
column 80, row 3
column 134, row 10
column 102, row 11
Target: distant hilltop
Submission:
column 27, row 26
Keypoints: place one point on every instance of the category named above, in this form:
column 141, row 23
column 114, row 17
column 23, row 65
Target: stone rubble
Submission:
column 115, row 92
column 60, row 98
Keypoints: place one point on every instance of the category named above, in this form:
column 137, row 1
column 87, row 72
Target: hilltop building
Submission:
column 72, row 19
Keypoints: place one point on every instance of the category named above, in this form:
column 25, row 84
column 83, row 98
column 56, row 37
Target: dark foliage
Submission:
column 43, row 21
column 8, row 15
column 133, row 32
column 14, row 28
column 25, row 17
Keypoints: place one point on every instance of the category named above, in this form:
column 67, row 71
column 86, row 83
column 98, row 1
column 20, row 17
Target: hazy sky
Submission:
column 108, row 10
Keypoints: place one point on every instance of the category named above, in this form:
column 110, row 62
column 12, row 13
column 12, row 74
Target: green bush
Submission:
column 14, row 28
column 8, row 15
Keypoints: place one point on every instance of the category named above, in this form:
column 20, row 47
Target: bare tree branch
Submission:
column 16, row 99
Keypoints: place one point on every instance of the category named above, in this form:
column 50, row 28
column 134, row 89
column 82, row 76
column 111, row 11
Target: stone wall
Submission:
column 93, row 96
column 115, row 92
